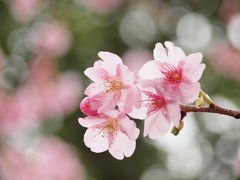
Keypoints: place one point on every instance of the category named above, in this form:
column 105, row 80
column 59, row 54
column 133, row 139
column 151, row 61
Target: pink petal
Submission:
column 108, row 103
column 130, row 98
column 174, row 53
column 93, row 89
column 194, row 71
column 150, row 70
column 189, row 92
column 129, row 128
column 122, row 146
column 147, row 85
column 195, row 58
column 159, row 53
column 90, row 121
column 123, row 73
column 136, row 96
column 140, row 113
column 90, row 106
column 114, row 114
column 156, row 125
column 96, row 140
column 96, row 74
column 110, row 61
column 174, row 114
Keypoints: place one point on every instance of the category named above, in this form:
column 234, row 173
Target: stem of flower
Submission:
column 213, row 108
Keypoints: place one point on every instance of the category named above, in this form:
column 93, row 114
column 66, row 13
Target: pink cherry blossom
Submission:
column 112, row 131
column 39, row 161
column 24, row 10
column 114, row 81
column 158, row 110
column 52, row 39
column 177, row 73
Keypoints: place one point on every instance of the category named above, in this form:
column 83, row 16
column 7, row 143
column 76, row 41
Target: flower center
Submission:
column 113, row 85
column 110, row 127
column 171, row 73
column 154, row 102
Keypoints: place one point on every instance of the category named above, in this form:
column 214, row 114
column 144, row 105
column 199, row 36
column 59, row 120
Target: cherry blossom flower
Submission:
column 38, row 161
column 113, row 80
column 112, row 131
column 158, row 110
column 177, row 73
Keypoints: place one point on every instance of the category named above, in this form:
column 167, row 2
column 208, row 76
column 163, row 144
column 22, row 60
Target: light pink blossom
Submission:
column 114, row 81
column 39, row 161
column 177, row 73
column 52, row 39
column 112, row 131
column 158, row 110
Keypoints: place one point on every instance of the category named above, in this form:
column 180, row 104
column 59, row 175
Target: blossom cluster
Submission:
column 39, row 160
column 154, row 95
column 29, row 104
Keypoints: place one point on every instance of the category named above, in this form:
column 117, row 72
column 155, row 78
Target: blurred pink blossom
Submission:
column 135, row 59
column 228, row 9
column 103, row 6
column 226, row 59
column 52, row 39
column 24, row 10
column 48, row 159
column 17, row 111
column 45, row 93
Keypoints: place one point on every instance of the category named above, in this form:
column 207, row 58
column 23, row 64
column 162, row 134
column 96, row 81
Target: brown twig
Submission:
column 213, row 108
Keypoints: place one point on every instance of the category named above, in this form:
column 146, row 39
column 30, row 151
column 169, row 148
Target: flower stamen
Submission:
column 171, row 73
column 113, row 85
column 154, row 102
